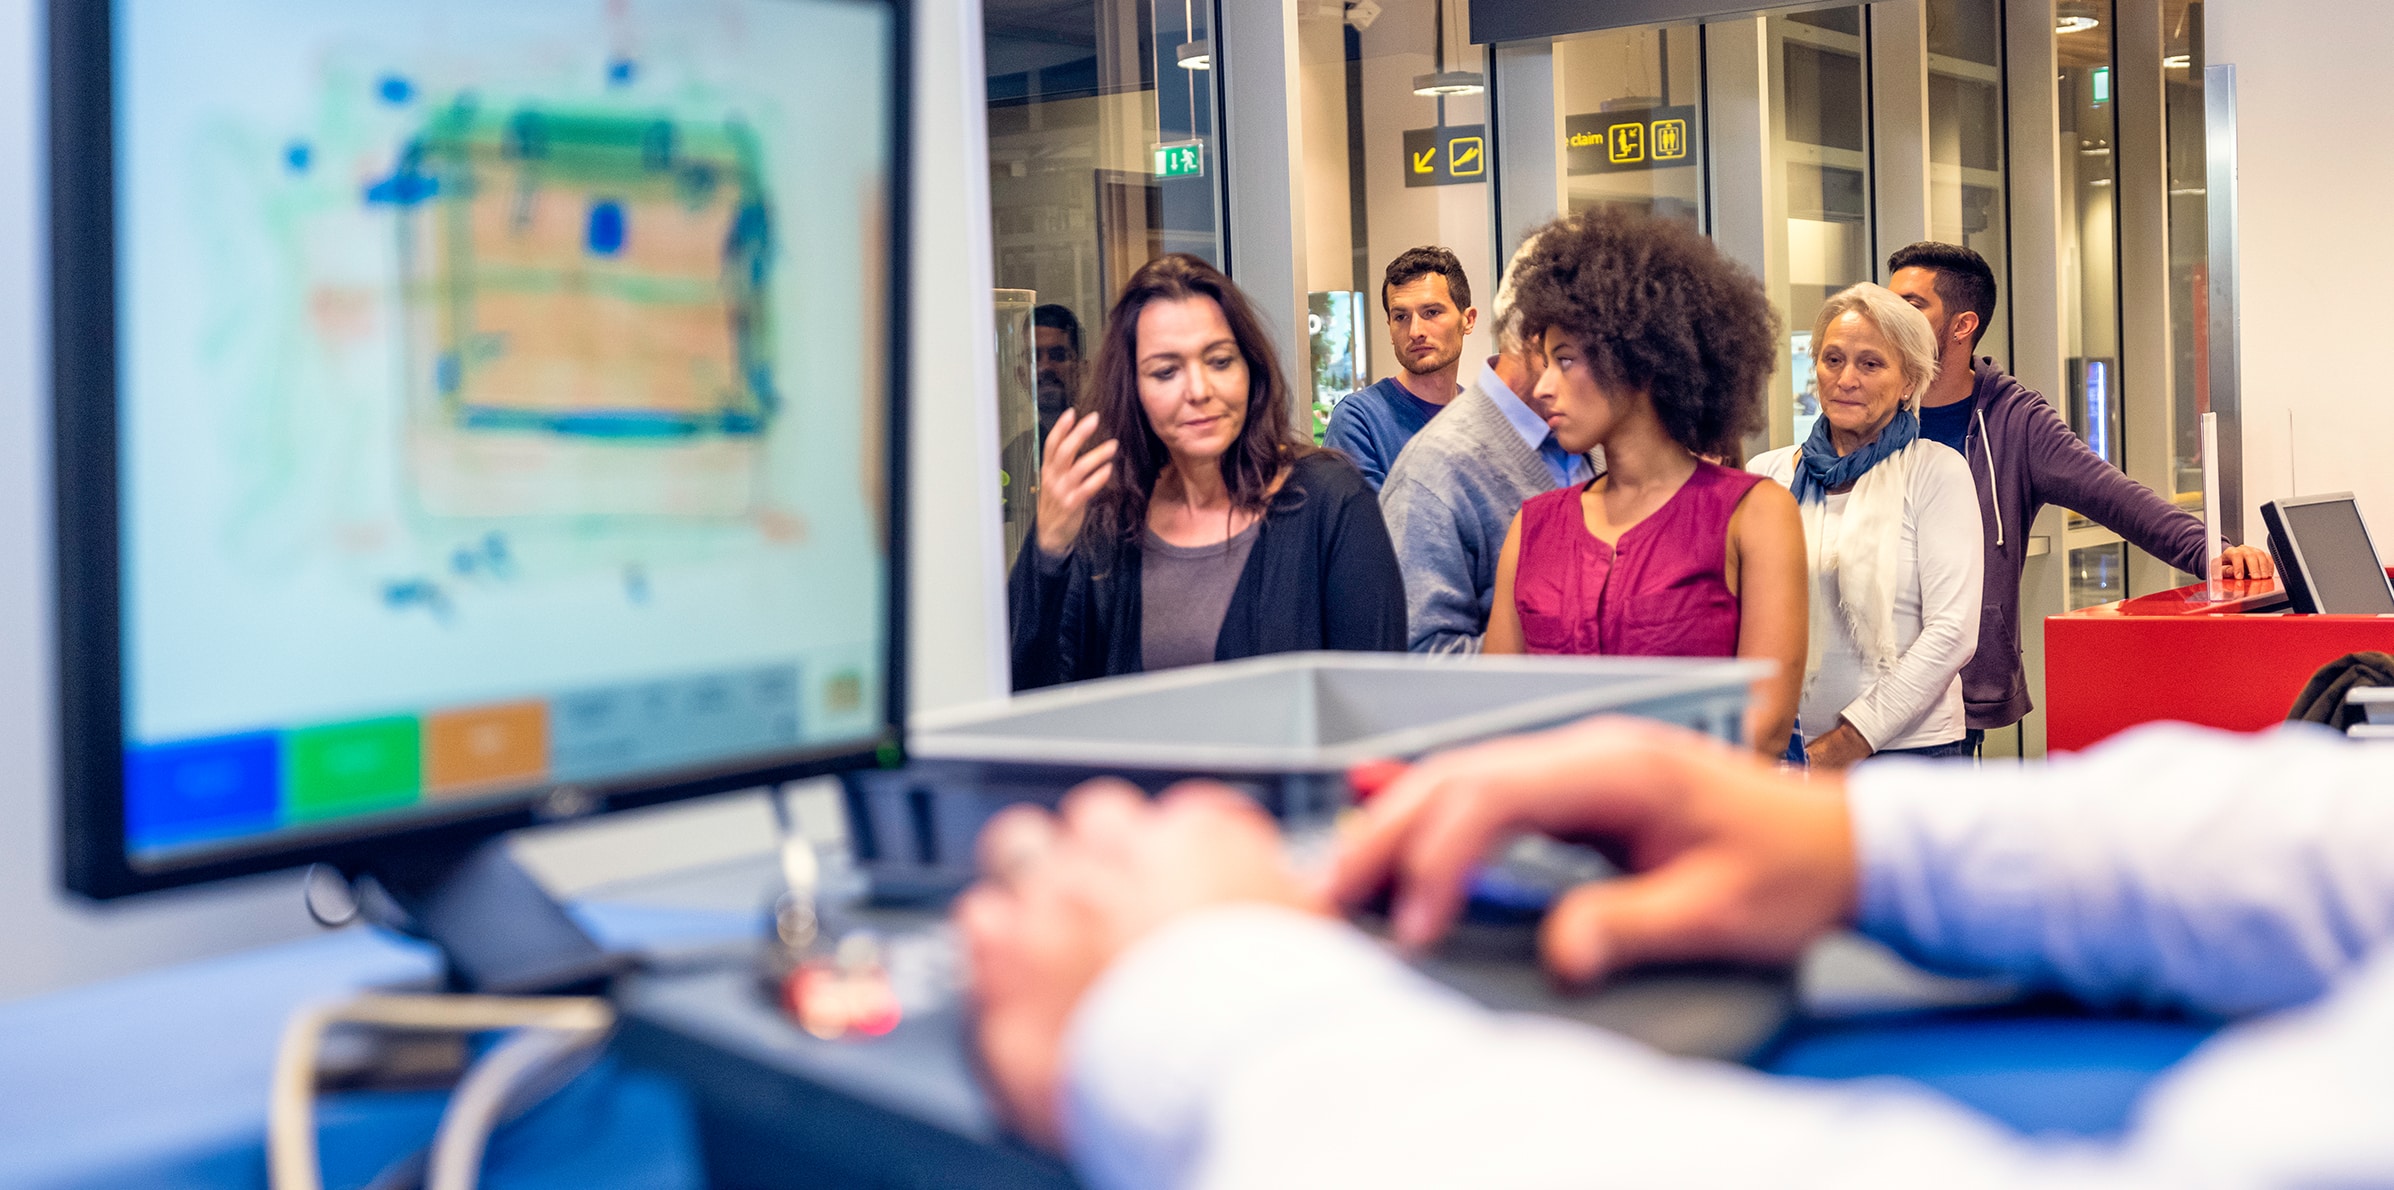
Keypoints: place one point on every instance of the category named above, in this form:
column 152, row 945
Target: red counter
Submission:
column 2175, row 655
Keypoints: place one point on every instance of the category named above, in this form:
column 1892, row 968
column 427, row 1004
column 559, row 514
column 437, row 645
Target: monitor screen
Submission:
column 2338, row 561
column 503, row 408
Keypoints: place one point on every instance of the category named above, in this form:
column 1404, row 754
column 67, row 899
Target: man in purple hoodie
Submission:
column 2023, row 457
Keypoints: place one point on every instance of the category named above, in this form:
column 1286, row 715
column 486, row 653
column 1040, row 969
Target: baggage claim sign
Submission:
column 1612, row 142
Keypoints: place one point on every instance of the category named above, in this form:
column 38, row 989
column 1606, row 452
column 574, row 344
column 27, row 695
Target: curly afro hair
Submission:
column 1657, row 308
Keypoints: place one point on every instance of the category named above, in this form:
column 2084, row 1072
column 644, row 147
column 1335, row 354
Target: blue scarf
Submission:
column 1821, row 470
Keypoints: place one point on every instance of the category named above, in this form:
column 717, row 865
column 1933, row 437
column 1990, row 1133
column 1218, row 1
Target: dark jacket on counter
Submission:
column 2023, row 457
column 1322, row 575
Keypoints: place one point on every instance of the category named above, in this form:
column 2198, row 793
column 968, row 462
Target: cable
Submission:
column 521, row 1071
column 575, row 1024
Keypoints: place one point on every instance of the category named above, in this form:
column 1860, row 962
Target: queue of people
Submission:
column 1586, row 493
column 1161, row 998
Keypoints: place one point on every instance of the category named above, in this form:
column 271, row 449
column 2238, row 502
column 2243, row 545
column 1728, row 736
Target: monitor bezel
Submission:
column 94, row 860
column 2302, row 586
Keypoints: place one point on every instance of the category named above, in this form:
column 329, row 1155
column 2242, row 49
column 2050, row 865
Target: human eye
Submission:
column 1223, row 362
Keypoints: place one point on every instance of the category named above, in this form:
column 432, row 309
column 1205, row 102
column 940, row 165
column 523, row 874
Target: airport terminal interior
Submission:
column 1194, row 593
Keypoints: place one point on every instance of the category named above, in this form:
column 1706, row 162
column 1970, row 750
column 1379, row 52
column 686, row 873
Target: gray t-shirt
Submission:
column 1184, row 592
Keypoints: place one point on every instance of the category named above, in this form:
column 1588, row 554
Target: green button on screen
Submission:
column 351, row 768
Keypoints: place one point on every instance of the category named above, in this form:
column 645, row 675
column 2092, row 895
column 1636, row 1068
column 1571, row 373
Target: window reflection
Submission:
column 1825, row 153
column 1633, row 119
column 1966, row 174
column 2190, row 332
column 1101, row 143
column 2090, row 265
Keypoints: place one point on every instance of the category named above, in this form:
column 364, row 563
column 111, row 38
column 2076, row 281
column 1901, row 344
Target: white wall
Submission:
column 2317, row 170
column 50, row 940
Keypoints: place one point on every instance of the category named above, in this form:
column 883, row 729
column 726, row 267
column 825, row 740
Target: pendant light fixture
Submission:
column 1441, row 82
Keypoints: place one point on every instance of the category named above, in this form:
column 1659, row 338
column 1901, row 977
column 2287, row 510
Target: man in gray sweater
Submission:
column 1452, row 494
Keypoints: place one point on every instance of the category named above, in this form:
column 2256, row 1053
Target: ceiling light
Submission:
column 2075, row 24
column 2100, row 182
column 2178, row 61
column 1197, row 55
column 1449, row 82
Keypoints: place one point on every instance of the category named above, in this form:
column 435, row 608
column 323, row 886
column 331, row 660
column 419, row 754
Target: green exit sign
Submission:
column 1184, row 160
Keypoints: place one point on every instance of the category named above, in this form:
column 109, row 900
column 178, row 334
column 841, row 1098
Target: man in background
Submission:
column 2023, row 457
column 1057, row 343
column 1455, row 489
column 1428, row 303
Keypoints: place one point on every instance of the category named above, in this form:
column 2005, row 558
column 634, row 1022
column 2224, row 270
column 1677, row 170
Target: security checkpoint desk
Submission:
column 2235, row 663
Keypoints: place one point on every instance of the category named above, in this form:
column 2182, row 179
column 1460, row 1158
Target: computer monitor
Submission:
column 2325, row 557
column 467, row 414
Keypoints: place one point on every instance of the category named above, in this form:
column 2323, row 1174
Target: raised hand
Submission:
column 1071, row 473
column 1730, row 859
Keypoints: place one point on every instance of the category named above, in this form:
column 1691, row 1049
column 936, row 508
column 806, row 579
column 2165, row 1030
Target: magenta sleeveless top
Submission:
column 1659, row 592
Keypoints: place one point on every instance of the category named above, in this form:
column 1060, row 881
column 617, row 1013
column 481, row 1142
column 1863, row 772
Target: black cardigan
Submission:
column 1322, row 575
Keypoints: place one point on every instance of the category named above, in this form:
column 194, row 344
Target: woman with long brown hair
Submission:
column 1181, row 517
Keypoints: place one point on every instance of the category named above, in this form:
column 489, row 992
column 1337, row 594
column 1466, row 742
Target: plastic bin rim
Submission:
column 950, row 734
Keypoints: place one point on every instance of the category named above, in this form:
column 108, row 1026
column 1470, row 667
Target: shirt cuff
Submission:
column 1177, row 1015
column 1873, row 732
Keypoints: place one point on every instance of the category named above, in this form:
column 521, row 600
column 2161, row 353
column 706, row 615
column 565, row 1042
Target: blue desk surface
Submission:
column 161, row 1079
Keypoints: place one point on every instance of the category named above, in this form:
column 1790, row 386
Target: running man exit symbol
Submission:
column 1451, row 156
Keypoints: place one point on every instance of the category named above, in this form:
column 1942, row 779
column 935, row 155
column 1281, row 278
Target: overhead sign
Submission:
column 1446, row 156
column 1183, row 160
column 1614, row 142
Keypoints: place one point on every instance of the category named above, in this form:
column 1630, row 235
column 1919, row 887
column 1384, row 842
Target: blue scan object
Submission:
column 621, row 70
column 606, row 228
column 297, row 156
column 395, row 89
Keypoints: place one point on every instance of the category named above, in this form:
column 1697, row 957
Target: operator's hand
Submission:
column 1060, row 898
column 1731, row 859
column 1071, row 472
column 2243, row 561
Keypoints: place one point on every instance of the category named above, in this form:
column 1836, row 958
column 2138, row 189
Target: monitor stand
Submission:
column 498, row 931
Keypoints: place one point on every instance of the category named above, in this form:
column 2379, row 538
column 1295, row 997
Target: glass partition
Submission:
column 1102, row 152
column 1824, row 119
column 1633, row 119
column 2189, row 222
column 1966, row 169
column 2089, row 235
column 1392, row 105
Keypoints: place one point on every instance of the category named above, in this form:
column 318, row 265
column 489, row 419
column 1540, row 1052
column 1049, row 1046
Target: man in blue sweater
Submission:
column 1452, row 494
column 1428, row 302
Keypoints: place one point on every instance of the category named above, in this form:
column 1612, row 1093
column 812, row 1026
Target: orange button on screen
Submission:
column 480, row 747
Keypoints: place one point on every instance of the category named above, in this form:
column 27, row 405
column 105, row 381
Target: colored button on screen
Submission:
column 485, row 747
column 352, row 768
column 200, row 789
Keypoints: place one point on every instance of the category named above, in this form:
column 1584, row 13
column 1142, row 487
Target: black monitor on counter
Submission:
column 2326, row 559
column 468, row 414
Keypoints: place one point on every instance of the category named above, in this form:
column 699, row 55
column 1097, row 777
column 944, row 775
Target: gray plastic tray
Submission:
column 1286, row 728
column 1324, row 712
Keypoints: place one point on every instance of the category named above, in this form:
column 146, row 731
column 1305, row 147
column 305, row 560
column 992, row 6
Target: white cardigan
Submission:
column 1914, row 698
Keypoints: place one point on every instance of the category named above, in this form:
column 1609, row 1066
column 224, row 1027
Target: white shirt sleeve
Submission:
column 2227, row 874
column 1950, row 549
column 1255, row 1047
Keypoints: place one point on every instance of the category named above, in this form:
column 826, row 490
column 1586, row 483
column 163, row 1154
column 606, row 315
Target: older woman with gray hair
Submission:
column 1892, row 535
